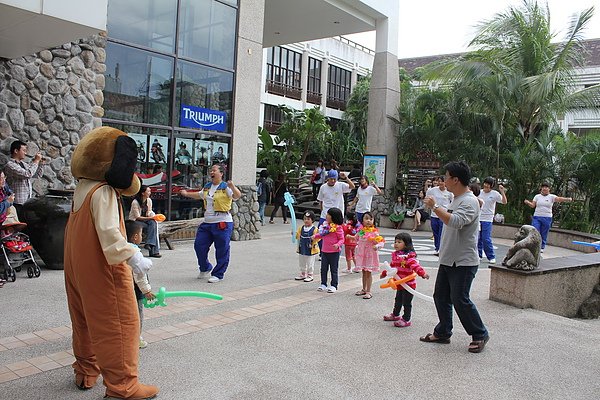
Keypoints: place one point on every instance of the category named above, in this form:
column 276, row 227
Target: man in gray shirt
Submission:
column 459, row 260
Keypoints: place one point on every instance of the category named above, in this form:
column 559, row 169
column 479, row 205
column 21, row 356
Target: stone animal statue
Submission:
column 591, row 306
column 525, row 252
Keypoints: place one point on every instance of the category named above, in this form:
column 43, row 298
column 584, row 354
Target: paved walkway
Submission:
column 272, row 337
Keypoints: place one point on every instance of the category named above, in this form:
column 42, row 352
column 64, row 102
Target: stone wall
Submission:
column 50, row 100
column 382, row 206
column 246, row 220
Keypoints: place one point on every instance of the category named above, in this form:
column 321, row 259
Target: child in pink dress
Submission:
column 350, row 230
column 367, row 256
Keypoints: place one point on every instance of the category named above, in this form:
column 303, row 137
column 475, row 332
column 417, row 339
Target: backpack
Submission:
column 259, row 189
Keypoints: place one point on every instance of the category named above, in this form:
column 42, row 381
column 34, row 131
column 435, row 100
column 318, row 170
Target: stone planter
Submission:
column 46, row 218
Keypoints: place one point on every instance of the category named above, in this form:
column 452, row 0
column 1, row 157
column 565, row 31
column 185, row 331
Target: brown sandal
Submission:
column 430, row 338
column 360, row 293
column 477, row 346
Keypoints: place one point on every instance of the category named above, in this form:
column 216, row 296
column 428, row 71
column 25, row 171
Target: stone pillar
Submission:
column 353, row 77
column 244, row 141
column 246, row 220
column 50, row 100
column 247, row 92
column 304, row 77
column 384, row 97
column 324, row 78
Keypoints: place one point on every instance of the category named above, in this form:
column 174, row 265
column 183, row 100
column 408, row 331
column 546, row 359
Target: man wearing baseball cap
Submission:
column 332, row 193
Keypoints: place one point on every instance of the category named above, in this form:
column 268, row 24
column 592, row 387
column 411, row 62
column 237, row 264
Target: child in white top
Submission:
column 307, row 247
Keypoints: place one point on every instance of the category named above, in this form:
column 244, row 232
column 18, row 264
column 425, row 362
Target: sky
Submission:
column 431, row 27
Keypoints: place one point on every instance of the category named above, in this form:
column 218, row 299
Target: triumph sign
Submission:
column 203, row 118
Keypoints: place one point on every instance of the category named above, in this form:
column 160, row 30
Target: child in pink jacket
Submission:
column 332, row 236
column 404, row 259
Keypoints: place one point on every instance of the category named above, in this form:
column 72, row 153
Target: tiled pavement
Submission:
column 260, row 296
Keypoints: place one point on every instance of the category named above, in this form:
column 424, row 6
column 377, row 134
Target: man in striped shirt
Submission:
column 19, row 174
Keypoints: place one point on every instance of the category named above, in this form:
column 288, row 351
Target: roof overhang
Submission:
column 292, row 21
column 29, row 26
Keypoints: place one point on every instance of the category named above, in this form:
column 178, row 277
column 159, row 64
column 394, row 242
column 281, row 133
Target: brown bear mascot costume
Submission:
column 98, row 266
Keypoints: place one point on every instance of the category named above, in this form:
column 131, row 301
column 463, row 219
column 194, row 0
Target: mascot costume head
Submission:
column 98, row 266
column 107, row 154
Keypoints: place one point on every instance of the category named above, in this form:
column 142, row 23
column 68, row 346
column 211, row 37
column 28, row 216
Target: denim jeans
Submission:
column 485, row 240
column 151, row 235
column 330, row 261
column 452, row 288
column 359, row 216
column 436, row 226
column 261, row 210
column 206, row 235
column 542, row 224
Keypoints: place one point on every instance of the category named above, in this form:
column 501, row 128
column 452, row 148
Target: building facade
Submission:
column 318, row 73
column 183, row 78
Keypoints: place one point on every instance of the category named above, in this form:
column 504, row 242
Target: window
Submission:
column 150, row 75
column 194, row 154
column 138, row 85
column 273, row 118
column 313, row 86
column 338, row 87
column 204, row 87
column 148, row 23
column 207, row 32
column 284, row 72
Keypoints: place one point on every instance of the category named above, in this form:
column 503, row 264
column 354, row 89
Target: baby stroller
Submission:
column 16, row 248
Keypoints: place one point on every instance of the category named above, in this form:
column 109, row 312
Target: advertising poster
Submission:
column 374, row 169
column 141, row 144
column 183, row 151
column 158, row 149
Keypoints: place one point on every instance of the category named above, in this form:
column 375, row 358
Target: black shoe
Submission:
column 157, row 255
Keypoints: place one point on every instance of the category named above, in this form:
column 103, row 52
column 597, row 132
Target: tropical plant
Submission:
column 287, row 149
column 497, row 107
column 516, row 76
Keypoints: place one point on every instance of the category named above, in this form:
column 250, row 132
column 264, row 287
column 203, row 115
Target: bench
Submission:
column 559, row 286
column 183, row 229
column 407, row 224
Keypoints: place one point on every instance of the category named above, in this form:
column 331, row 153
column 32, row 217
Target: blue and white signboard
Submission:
column 203, row 118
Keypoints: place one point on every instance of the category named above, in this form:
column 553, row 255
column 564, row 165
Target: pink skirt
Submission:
column 366, row 257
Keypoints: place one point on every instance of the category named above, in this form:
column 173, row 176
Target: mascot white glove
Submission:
column 139, row 263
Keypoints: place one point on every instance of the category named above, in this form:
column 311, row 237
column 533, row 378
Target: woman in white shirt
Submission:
column 364, row 197
column 141, row 210
column 542, row 216
column 488, row 199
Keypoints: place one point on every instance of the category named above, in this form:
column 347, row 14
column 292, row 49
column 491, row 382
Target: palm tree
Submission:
column 516, row 75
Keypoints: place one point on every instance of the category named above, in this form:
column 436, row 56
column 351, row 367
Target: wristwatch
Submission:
column 436, row 206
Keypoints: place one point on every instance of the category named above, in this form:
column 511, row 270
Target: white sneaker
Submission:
column 492, row 261
column 331, row 289
column 322, row 288
column 542, row 250
column 214, row 279
column 300, row 278
column 308, row 279
column 436, row 253
column 143, row 344
column 203, row 275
